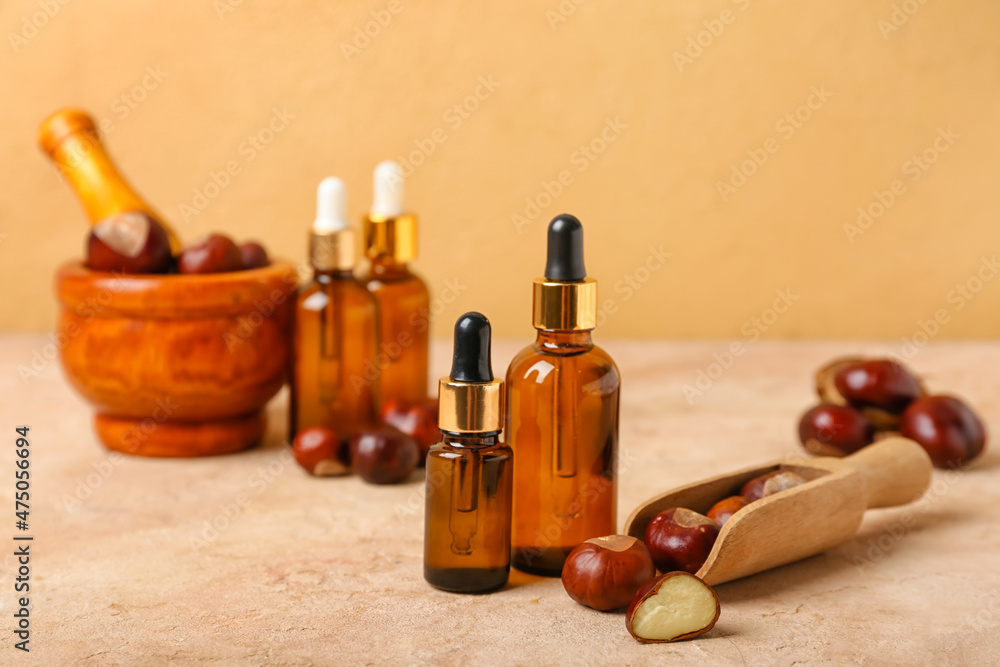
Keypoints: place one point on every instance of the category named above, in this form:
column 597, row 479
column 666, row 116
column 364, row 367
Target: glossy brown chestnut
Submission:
column 383, row 454
column 673, row 606
column 216, row 253
column 835, row 430
column 321, row 452
column 725, row 508
column 771, row 483
column 878, row 383
column 419, row 420
column 254, row 255
column 604, row 573
column 680, row 539
column 947, row 428
column 128, row 243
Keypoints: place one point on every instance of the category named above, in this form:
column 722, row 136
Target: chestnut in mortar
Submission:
column 216, row 253
column 946, row 428
column 604, row 573
column 835, row 430
column 129, row 242
column 254, row 255
column 771, row 483
column 680, row 539
column 383, row 454
column 321, row 452
column 674, row 606
column 878, row 383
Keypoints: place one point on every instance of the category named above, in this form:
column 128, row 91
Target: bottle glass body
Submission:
column 562, row 424
column 404, row 339
column 336, row 325
column 468, row 513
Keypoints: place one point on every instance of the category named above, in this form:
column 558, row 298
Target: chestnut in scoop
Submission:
column 947, row 428
column 680, row 539
column 771, row 483
column 726, row 508
column 216, row 253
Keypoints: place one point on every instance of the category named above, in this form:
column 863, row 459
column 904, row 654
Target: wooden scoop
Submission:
column 805, row 520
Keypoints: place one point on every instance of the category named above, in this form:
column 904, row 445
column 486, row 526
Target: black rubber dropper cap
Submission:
column 565, row 257
column 471, row 362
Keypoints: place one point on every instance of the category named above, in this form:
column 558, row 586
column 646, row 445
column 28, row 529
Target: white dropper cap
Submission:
column 331, row 206
column 388, row 198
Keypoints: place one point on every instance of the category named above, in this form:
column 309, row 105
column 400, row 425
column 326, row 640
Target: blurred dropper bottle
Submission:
column 562, row 415
column 404, row 303
column 336, row 329
column 468, row 500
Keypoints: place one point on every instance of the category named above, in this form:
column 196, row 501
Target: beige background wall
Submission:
column 887, row 80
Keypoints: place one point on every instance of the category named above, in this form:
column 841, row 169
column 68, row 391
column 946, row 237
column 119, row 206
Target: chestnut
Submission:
column 216, row 253
column 725, row 508
column 835, row 430
column 674, row 606
column 680, row 539
column 383, row 454
column 419, row 419
column 254, row 255
column 321, row 452
column 877, row 383
column 946, row 427
column 604, row 573
column 129, row 242
column 771, row 483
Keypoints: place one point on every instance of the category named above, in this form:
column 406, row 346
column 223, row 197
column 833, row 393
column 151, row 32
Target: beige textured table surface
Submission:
column 246, row 560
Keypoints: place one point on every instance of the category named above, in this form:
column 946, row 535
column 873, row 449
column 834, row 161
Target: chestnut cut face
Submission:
column 680, row 539
column 216, row 253
column 835, row 430
column 130, row 242
column 878, row 383
column 605, row 572
column 676, row 605
column 946, row 428
column 383, row 454
column 321, row 452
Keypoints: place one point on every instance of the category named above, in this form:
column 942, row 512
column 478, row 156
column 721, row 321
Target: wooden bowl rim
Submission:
column 171, row 296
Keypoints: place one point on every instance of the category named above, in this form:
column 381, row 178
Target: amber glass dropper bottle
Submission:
column 468, row 501
column 335, row 329
column 562, row 415
column 404, row 303
column 123, row 223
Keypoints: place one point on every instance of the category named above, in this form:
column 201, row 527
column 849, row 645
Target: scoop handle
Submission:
column 896, row 471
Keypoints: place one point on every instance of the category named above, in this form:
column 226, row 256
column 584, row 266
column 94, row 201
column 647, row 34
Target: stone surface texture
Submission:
column 246, row 560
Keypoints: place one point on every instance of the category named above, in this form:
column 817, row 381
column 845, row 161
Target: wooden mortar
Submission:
column 176, row 365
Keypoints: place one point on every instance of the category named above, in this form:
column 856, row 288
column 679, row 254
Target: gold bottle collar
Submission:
column 395, row 237
column 332, row 251
column 559, row 306
column 470, row 407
